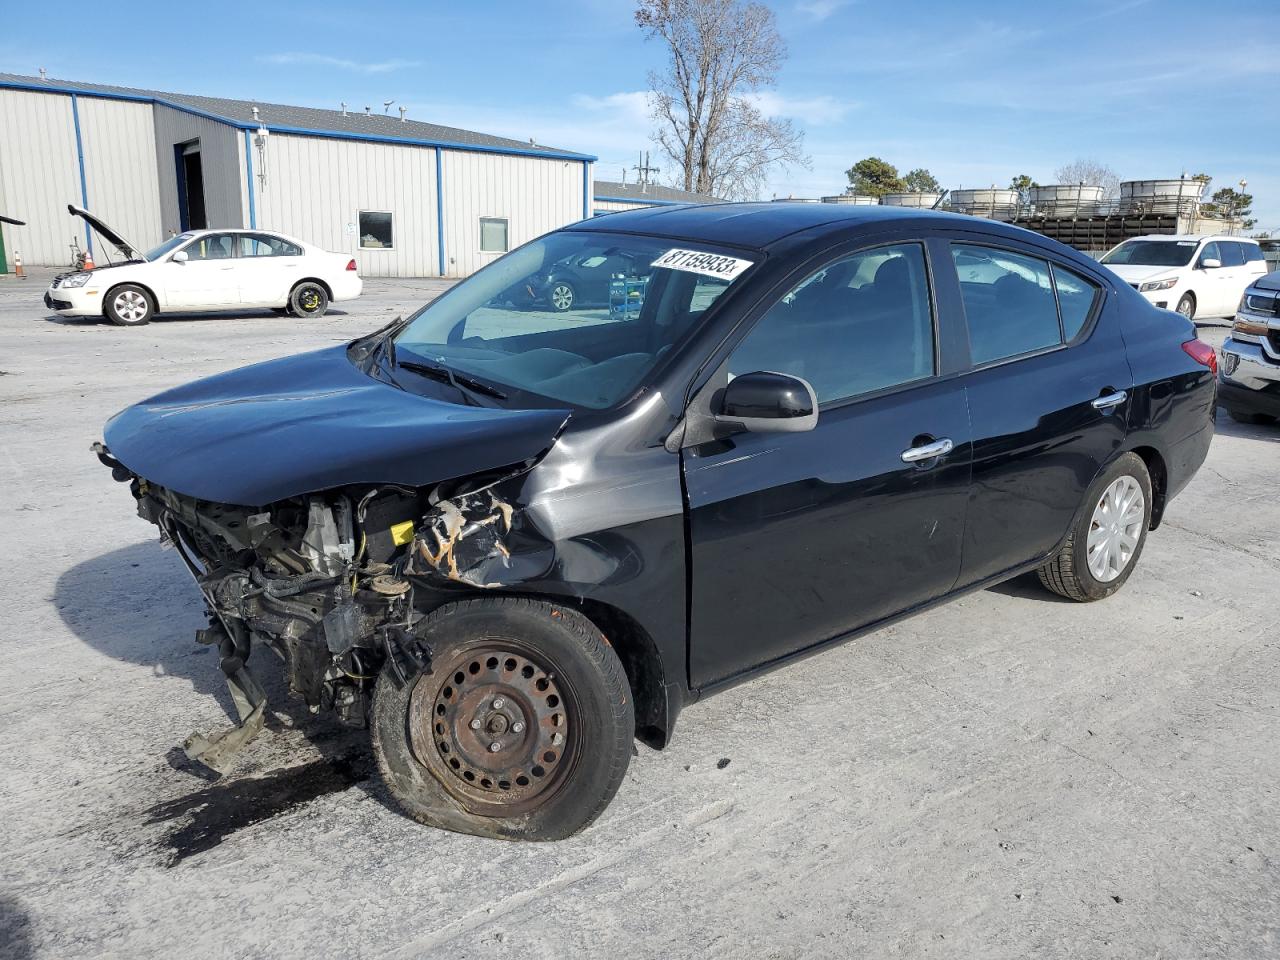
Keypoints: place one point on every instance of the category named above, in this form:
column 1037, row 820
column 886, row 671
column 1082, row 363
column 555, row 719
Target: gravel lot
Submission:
column 1009, row 776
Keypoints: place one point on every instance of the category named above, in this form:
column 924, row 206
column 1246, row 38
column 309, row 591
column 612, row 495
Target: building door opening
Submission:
column 190, row 170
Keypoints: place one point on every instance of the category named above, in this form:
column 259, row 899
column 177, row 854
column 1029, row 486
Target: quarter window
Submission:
column 493, row 235
column 375, row 230
column 1008, row 302
column 1076, row 297
column 861, row 324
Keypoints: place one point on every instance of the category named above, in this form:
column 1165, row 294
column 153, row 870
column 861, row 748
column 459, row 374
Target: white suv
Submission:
column 1197, row 276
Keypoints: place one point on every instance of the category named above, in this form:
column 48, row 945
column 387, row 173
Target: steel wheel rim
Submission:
column 1115, row 529
column 131, row 306
column 309, row 299
column 503, row 683
column 561, row 297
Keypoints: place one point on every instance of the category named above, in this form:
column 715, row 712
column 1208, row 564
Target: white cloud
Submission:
column 819, row 10
column 812, row 111
column 321, row 60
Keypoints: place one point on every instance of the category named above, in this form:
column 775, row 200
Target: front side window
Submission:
column 493, row 235
column 215, row 246
column 1152, row 253
column 375, row 230
column 261, row 245
column 861, row 324
column 1210, row 252
column 576, row 317
column 172, row 243
column 1008, row 302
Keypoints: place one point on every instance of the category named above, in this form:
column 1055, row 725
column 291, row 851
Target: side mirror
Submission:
column 763, row 402
column 179, row 257
column 1210, row 263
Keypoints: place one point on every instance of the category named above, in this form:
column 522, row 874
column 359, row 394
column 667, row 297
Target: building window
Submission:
column 375, row 230
column 493, row 235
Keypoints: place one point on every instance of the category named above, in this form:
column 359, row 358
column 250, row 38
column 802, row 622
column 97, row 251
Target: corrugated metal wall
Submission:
column 534, row 194
column 39, row 176
column 316, row 188
column 222, row 165
column 120, row 167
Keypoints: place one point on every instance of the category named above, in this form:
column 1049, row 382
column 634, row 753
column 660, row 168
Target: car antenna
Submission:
column 942, row 196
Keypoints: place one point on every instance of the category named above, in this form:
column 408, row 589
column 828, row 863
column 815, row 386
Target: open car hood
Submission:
column 127, row 250
column 314, row 422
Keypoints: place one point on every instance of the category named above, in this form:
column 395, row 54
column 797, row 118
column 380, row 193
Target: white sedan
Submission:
column 203, row 270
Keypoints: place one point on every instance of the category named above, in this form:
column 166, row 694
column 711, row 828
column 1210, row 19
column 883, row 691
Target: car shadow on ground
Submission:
column 138, row 605
column 1227, row 427
column 185, row 317
column 15, row 930
column 1027, row 587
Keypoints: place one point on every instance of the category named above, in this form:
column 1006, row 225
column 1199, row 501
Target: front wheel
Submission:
column 1108, row 535
column 561, row 296
column 520, row 728
column 308, row 299
column 1187, row 306
column 128, row 305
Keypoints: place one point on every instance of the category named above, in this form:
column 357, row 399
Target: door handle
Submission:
column 1109, row 400
column 928, row 451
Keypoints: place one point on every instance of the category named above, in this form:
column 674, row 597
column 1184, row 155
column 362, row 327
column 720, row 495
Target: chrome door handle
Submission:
column 1109, row 400
column 928, row 451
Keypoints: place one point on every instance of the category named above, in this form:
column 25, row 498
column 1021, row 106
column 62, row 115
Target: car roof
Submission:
column 1176, row 237
column 759, row 225
column 270, row 233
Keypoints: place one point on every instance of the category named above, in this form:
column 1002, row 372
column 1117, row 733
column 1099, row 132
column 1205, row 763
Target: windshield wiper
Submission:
column 464, row 384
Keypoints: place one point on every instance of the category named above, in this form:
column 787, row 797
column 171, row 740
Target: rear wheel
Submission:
column 1108, row 535
column 1187, row 305
column 521, row 727
column 308, row 299
column 128, row 305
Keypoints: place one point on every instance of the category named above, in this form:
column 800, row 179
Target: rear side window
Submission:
column 1008, row 302
column 1232, row 254
column 1076, row 297
column 1253, row 253
column 860, row 324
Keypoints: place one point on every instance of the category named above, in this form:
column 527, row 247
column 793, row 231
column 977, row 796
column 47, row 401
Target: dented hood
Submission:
column 313, row 422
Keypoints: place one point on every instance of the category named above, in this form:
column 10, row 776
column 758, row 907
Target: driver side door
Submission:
column 207, row 279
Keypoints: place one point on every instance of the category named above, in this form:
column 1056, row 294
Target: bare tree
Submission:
column 709, row 121
column 1083, row 170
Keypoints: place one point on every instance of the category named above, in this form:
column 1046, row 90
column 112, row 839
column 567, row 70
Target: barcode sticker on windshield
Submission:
column 707, row 264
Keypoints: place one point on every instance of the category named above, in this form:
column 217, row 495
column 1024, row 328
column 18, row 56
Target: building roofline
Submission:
column 157, row 100
column 642, row 201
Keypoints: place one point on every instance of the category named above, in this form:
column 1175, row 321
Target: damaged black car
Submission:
column 511, row 540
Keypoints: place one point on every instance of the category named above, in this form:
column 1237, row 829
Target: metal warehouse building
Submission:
column 405, row 198
column 610, row 197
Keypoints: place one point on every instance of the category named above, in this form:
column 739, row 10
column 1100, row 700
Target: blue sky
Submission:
column 976, row 92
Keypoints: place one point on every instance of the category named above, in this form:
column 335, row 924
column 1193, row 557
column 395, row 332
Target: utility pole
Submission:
column 643, row 170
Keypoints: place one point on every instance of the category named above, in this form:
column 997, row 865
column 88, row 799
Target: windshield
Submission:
column 578, row 317
column 1153, row 253
column 158, row 252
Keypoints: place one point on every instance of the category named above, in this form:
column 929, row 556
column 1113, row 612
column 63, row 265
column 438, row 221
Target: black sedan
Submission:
column 510, row 543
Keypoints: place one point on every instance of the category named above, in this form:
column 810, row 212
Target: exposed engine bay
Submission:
column 334, row 583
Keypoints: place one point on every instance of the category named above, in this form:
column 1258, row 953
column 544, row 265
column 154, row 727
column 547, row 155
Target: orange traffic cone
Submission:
column 88, row 260
column 17, row 264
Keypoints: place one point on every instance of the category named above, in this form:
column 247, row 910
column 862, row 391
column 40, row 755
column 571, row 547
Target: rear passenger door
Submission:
column 266, row 269
column 1048, row 399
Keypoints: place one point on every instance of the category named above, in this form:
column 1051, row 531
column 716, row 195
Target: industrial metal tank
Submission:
column 925, row 200
column 857, row 199
column 1067, row 200
column 992, row 203
column 1165, row 197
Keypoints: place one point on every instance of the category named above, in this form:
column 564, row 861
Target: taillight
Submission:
column 351, row 265
column 1202, row 353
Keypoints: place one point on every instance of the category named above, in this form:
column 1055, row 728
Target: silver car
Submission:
column 1249, row 376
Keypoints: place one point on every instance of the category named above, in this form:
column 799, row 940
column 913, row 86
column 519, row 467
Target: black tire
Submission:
column 561, row 296
column 1239, row 416
column 1068, row 574
column 308, row 299
column 530, row 658
column 128, row 305
column 1187, row 305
